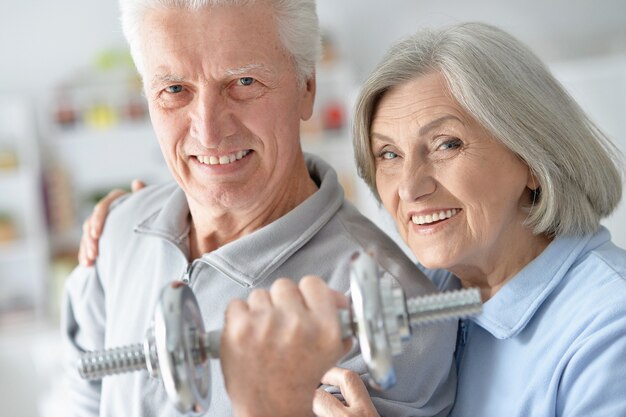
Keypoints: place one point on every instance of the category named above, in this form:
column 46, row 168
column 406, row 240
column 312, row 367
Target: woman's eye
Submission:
column 450, row 144
column 388, row 155
column 173, row 89
column 245, row 81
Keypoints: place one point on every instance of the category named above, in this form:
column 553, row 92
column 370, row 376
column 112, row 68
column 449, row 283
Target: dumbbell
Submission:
column 177, row 348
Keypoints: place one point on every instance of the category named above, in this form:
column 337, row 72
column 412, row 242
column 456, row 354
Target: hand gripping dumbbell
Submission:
column 177, row 348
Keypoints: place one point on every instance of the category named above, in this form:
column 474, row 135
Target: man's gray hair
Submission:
column 510, row 92
column 298, row 26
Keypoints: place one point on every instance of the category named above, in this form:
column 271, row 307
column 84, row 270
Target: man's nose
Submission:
column 211, row 119
column 416, row 181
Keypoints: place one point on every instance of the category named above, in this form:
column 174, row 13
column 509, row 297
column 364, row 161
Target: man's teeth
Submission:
column 431, row 218
column 222, row 159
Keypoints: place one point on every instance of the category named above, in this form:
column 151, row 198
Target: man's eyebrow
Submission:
column 165, row 78
column 247, row 68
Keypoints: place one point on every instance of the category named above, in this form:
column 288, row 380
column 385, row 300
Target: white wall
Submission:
column 43, row 42
column 599, row 86
column 555, row 29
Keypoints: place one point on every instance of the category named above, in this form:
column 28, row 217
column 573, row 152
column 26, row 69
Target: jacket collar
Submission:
column 252, row 258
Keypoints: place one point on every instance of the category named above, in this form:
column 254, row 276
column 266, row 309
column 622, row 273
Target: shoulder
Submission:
column 391, row 258
column 142, row 202
column 603, row 269
column 608, row 257
column 593, row 293
column 132, row 209
column 594, row 311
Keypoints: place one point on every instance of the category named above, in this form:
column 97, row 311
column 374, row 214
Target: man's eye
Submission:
column 246, row 81
column 173, row 89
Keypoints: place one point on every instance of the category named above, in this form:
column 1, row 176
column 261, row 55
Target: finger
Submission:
column 343, row 302
column 235, row 324
column 100, row 211
column 317, row 295
column 322, row 301
column 325, row 404
column 235, row 314
column 235, row 308
column 259, row 299
column 349, row 382
column 137, row 185
column 83, row 259
column 340, row 299
column 88, row 249
column 285, row 294
column 91, row 249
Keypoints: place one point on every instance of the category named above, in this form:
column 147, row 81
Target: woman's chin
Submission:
column 432, row 259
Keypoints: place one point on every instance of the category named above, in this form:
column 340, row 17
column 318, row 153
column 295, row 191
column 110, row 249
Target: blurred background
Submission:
column 73, row 125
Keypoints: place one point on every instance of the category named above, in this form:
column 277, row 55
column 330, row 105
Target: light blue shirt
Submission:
column 552, row 341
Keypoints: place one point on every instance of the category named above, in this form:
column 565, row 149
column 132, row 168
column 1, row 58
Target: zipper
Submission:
column 186, row 278
column 186, row 275
column 461, row 340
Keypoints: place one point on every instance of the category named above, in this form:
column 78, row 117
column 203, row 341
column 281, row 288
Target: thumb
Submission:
column 341, row 301
column 325, row 404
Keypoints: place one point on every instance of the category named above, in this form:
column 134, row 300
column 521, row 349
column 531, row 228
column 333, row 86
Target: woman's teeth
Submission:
column 223, row 159
column 431, row 218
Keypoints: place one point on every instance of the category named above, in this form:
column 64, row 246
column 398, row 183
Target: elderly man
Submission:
column 227, row 83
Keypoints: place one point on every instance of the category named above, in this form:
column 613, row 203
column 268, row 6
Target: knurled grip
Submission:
column 96, row 365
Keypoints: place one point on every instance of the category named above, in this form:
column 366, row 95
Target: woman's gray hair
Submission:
column 298, row 26
column 510, row 92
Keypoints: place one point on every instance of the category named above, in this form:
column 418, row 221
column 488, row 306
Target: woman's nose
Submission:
column 416, row 182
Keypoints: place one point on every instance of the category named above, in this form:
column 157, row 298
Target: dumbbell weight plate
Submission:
column 370, row 320
column 184, row 367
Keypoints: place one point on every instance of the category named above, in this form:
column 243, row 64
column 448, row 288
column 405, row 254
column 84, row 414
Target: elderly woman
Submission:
column 498, row 180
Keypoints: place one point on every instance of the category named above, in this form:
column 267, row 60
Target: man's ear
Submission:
column 308, row 98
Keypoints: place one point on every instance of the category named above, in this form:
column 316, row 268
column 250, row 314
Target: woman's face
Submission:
column 455, row 192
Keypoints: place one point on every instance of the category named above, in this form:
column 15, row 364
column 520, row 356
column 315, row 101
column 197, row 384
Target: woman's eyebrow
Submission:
column 433, row 124
column 379, row 136
column 436, row 123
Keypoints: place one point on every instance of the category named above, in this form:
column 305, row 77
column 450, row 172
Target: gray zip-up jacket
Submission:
column 145, row 245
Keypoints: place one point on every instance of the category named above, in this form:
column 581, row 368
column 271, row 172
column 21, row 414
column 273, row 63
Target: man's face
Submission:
column 225, row 103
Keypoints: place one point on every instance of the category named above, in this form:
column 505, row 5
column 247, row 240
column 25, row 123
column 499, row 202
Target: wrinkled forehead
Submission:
column 234, row 37
column 244, row 24
column 422, row 96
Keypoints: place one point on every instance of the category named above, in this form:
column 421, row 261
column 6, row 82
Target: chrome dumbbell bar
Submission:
column 177, row 348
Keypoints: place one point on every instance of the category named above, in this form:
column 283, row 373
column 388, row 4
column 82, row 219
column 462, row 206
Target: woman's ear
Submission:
column 533, row 182
column 534, row 186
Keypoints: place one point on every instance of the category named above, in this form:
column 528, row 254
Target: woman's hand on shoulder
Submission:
column 92, row 227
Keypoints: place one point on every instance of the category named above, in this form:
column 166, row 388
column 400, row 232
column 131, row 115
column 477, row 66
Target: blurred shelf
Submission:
column 16, row 250
column 23, row 259
column 12, row 175
column 118, row 133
